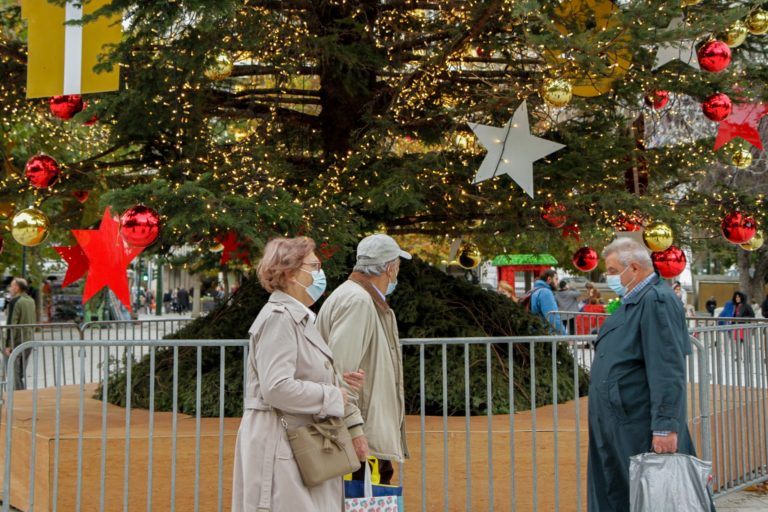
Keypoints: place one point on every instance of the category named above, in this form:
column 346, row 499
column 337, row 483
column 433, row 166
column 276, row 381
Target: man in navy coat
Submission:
column 637, row 388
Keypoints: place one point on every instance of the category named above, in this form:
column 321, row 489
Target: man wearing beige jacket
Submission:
column 361, row 330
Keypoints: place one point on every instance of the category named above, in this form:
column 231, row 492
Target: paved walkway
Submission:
column 750, row 499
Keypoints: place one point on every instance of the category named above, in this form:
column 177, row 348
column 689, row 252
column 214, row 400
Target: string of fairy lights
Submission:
column 261, row 139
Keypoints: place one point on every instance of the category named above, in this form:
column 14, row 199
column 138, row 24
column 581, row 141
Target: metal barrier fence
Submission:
column 528, row 460
column 126, row 330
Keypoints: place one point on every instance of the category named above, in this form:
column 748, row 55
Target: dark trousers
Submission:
column 20, row 368
column 386, row 470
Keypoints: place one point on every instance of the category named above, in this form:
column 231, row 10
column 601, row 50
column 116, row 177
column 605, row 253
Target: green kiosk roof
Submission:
column 503, row 260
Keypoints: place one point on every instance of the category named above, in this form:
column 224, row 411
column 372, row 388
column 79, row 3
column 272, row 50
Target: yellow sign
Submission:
column 61, row 55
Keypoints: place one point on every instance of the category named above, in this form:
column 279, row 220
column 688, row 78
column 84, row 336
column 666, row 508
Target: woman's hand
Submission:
column 345, row 395
column 355, row 380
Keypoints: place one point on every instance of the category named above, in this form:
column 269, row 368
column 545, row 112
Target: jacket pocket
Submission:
column 616, row 403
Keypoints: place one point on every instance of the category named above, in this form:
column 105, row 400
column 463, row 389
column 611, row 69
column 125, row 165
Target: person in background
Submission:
column 543, row 301
column 711, row 305
column 21, row 311
column 741, row 307
column 764, row 307
column 589, row 324
column 680, row 292
column 182, row 299
column 507, row 290
column 567, row 300
column 637, row 390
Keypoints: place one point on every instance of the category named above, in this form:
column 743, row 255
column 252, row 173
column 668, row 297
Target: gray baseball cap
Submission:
column 379, row 249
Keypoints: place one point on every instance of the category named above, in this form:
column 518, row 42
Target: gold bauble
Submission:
column 741, row 158
column 556, row 92
column 469, row 255
column 217, row 248
column 688, row 3
column 755, row 242
column 757, row 22
column 657, row 236
column 220, row 69
column 30, row 227
column 734, row 35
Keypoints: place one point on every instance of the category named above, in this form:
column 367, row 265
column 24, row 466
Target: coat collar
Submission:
column 365, row 283
column 299, row 313
column 635, row 298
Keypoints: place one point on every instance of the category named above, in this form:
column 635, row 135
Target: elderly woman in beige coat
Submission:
column 290, row 372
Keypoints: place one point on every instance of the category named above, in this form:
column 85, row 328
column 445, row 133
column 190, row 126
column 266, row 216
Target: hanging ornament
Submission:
column 632, row 222
column 557, row 92
column 216, row 248
column 757, row 22
column 77, row 263
column 743, row 122
column 738, row 227
column 688, row 3
column 221, row 69
column 714, row 56
column 657, row 99
column 108, row 259
column 741, row 158
column 571, row 231
column 734, row 35
column 42, row 171
column 81, row 195
column 469, row 255
column 512, row 150
column 669, row 51
column 657, row 236
column 554, row 214
column 755, row 242
column 232, row 248
column 139, row 226
column 585, row 259
column 65, row 107
column 30, row 227
column 669, row 263
column 717, row 107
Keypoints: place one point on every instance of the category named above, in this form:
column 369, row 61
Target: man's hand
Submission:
column 355, row 380
column 361, row 447
column 665, row 444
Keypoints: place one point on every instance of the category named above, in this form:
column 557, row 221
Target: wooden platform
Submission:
column 568, row 447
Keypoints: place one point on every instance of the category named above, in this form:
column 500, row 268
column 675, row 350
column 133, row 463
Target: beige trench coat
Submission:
column 361, row 329
column 290, row 367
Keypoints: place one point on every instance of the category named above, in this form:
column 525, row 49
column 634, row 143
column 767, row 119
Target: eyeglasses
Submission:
column 314, row 265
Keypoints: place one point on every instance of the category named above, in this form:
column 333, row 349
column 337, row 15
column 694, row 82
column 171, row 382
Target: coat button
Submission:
column 328, row 365
column 602, row 355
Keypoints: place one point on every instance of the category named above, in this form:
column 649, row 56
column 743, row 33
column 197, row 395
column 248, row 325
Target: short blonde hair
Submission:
column 282, row 256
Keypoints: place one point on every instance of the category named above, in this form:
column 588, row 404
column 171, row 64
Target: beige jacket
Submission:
column 361, row 330
column 290, row 367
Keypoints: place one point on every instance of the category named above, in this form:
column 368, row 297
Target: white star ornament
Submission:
column 512, row 150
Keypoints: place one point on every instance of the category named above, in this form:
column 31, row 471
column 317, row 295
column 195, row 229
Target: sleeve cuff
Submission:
column 665, row 424
column 333, row 402
column 356, row 431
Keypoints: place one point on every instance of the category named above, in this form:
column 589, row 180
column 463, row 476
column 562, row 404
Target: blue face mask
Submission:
column 317, row 288
column 614, row 283
column 391, row 288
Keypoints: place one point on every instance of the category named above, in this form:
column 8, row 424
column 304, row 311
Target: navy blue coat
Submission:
column 637, row 386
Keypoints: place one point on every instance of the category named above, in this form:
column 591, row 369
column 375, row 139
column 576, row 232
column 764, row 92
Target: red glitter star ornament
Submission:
column 109, row 258
column 77, row 263
column 743, row 122
column 233, row 248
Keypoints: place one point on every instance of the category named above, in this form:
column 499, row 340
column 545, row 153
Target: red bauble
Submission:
column 139, row 226
column 554, row 214
column 669, row 263
column 585, row 259
column 714, row 56
column 657, row 99
column 42, row 171
column 717, row 107
column 64, row 107
column 633, row 222
column 738, row 228
column 81, row 195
